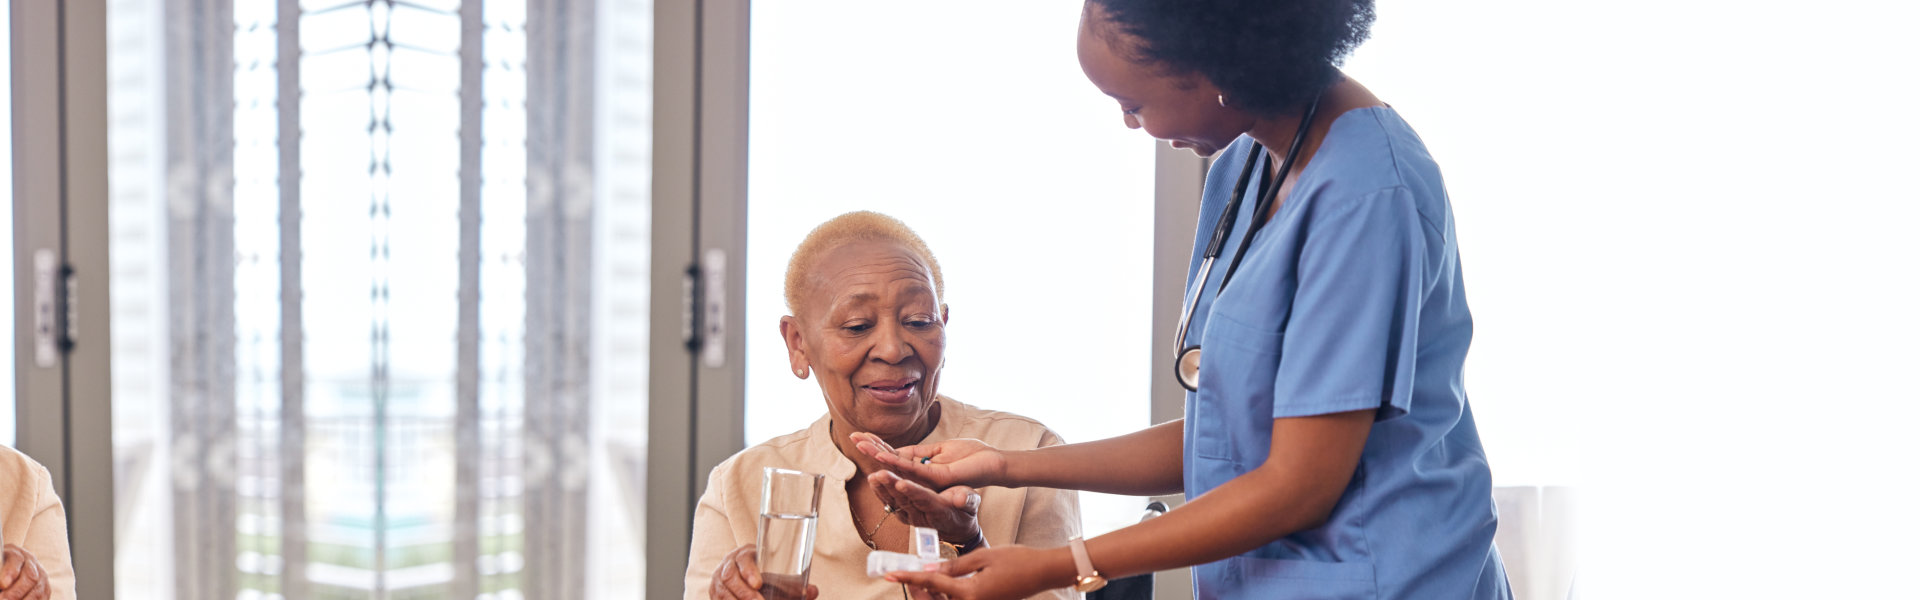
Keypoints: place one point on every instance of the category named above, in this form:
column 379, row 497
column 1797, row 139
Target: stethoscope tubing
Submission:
column 1267, row 195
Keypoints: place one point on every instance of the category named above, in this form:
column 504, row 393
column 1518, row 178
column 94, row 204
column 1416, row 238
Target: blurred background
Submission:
column 462, row 298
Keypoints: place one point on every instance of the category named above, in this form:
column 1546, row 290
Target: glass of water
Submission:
column 789, row 507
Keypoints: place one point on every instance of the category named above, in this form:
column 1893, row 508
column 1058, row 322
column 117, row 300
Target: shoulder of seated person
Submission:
column 17, row 468
column 995, row 423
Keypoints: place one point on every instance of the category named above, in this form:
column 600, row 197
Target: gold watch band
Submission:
column 1087, row 579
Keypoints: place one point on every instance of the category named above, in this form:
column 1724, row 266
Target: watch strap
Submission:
column 1081, row 564
column 979, row 541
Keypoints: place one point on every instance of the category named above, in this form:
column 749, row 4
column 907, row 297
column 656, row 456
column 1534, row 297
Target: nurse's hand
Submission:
column 940, row 465
column 738, row 577
column 1008, row 572
column 954, row 512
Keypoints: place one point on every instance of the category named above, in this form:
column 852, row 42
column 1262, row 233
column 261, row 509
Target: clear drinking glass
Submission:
column 789, row 507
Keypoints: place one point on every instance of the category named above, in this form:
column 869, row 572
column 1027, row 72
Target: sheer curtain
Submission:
column 360, row 314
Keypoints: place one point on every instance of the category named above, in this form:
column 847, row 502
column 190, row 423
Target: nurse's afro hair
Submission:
column 1267, row 56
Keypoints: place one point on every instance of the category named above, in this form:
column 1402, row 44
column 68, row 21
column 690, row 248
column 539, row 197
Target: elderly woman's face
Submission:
column 873, row 331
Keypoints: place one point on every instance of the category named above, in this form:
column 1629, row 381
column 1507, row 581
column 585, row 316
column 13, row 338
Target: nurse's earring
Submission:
column 1223, row 100
column 800, row 371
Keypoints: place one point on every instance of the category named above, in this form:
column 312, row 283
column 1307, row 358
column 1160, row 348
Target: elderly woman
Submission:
column 869, row 326
column 34, row 564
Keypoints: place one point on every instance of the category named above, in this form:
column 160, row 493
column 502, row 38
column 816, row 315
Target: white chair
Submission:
column 1536, row 540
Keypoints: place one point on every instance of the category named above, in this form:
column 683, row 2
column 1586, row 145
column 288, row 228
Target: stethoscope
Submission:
column 1186, row 365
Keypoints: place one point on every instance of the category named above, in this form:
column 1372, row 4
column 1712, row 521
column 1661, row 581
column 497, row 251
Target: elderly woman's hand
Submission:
column 738, row 577
column 21, row 577
column 954, row 512
column 939, row 465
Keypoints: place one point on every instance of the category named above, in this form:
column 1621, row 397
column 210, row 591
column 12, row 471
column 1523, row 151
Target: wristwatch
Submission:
column 1088, row 579
column 952, row 550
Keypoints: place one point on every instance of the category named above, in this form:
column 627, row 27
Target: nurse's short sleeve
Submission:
column 1352, row 338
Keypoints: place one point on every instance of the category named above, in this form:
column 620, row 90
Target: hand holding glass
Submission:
column 789, row 508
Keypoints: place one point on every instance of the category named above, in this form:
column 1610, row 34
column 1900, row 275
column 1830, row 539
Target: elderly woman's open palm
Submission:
column 940, row 465
column 954, row 512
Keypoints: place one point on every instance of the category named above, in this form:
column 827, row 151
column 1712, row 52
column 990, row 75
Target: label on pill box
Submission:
column 926, row 543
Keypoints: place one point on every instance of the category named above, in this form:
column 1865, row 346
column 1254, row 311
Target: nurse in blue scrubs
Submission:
column 1328, row 450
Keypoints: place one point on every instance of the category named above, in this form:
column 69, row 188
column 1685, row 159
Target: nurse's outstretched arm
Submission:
column 1305, row 472
column 1142, row 463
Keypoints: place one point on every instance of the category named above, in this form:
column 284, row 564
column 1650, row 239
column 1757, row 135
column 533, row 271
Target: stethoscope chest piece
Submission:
column 1187, row 368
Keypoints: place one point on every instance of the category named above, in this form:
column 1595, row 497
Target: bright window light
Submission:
column 1016, row 171
column 1688, row 236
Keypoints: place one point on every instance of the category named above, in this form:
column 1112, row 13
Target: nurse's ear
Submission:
column 796, row 349
column 943, row 313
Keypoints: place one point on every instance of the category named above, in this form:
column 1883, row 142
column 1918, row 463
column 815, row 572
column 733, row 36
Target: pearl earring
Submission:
column 1223, row 100
column 800, row 372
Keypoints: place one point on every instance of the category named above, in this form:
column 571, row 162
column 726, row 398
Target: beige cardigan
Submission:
column 31, row 517
column 728, row 514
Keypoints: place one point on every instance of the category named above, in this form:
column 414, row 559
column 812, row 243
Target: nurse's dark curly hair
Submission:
column 1268, row 56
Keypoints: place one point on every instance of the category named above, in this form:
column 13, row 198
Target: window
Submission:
column 957, row 139
column 325, row 385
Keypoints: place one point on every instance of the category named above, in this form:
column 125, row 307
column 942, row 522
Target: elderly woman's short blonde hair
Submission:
column 856, row 226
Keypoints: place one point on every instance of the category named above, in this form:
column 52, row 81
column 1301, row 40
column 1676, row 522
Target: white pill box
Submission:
column 881, row 562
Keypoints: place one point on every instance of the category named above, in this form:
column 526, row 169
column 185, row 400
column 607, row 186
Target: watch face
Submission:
column 1090, row 583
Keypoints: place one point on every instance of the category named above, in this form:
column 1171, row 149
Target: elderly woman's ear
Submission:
column 797, row 357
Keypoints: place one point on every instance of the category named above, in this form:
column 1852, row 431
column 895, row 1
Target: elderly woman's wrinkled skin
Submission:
column 21, row 577
column 872, row 332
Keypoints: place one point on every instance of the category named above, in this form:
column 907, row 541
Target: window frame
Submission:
column 60, row 207
column 699, row 219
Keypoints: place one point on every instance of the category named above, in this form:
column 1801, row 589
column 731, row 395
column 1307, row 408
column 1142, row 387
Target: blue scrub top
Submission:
column 1349, row 299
